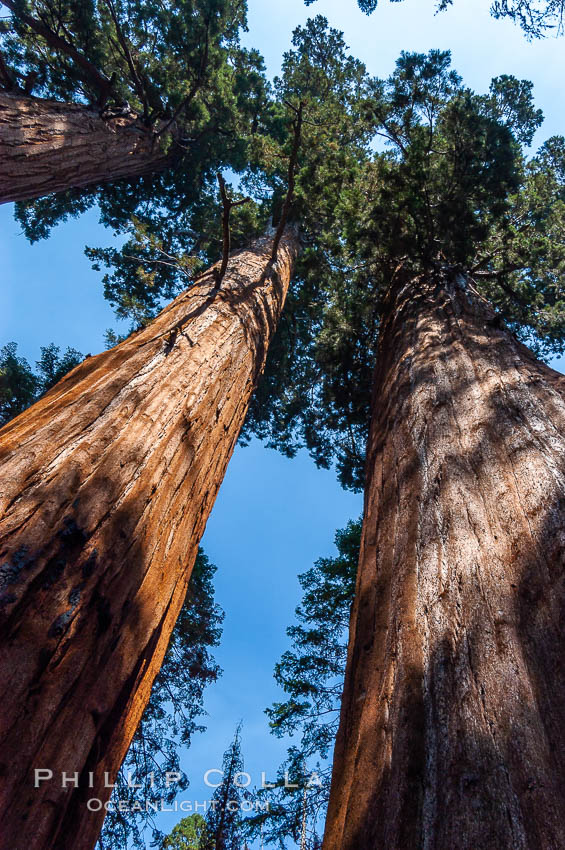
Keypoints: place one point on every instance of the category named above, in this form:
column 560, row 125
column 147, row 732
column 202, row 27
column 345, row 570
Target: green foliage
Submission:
column 336, row 147
column 536, row 17
column 335, row 140
column 447, row 184
column 52, row 365
column 190, row 833
column 20, row 386
column 453, row 164
column 148, row 55
column 366, row 6
column 171, row 717
column 170, row 243
column 312, row 674
column 398, row 175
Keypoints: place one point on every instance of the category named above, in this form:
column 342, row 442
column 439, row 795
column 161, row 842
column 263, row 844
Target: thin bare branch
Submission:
column 227, row 206
column 122, row 40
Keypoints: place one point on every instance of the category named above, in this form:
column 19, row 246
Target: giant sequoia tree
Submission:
column 108, row 480
column 176, row 701
column 444, row 257
column 106, row 486
column 454, row 699
column 122, row 90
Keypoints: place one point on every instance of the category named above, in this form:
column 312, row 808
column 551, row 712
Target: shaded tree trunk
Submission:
column 106, row 484
column 452, row 732
column 46, row 146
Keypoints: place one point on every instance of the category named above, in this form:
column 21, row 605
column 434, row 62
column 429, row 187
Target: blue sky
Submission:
column 273, row 516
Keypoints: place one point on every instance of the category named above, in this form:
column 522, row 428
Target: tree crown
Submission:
column 448, row 183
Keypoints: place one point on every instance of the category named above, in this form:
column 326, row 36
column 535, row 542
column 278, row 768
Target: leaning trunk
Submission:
column 105, row 488
column 452, row 733
column 46, row 146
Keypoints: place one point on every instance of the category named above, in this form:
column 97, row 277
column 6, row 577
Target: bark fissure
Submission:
column 47, row 146
column 105, row 486
column 456, row 636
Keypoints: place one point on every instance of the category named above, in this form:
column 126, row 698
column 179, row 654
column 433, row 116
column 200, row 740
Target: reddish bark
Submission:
column 452, row 733
column 105, row 488
column 46, row 146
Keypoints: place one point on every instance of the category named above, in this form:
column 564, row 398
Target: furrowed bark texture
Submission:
column 46, row 146
column 452, row 732
column 105, row 488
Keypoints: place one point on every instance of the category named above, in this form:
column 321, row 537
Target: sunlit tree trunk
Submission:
column 46, row 146
column 452, row 733
column 106, row 484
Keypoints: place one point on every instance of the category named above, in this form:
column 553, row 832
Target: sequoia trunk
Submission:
column 46, row 146
column 105, row 487
column 452, row 733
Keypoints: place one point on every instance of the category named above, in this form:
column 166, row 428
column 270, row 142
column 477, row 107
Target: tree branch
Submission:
column 227, row 206
column 195, row 86
column 137, row 84
column 498, row 276
column 496, row 273
column 152, row 261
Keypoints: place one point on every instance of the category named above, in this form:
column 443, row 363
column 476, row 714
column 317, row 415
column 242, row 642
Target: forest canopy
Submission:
column 411, row 171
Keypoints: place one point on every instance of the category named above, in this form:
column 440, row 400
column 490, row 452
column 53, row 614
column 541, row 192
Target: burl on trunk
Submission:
column 105, row 488
column 452, row 733
column 46, row 146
